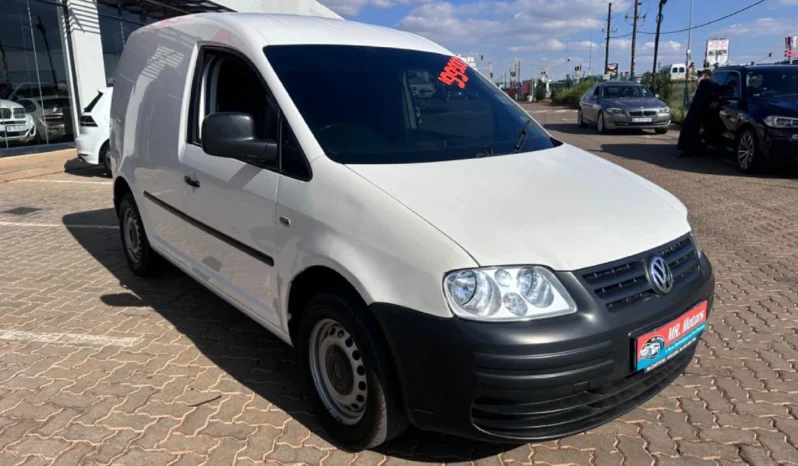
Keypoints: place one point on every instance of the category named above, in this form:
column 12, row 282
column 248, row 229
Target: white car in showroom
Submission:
column 16, row 125
column 92, row 142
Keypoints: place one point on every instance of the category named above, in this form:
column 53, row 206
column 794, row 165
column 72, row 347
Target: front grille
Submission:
column 5, row 113
column 638, row 113
column 559, row 417
column 625, row 282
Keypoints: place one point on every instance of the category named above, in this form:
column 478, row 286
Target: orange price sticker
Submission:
column 454, row 72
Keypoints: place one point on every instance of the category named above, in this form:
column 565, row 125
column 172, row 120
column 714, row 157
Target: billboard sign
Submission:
column 791, row 42
column 612, row 69
column 717, row 53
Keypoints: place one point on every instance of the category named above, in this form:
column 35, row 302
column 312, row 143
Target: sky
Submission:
column 559, row 34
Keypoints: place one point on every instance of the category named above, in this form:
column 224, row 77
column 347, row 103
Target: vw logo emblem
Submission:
column 660, row 275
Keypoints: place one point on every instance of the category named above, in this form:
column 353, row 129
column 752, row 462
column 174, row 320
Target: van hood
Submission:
column 563, row 207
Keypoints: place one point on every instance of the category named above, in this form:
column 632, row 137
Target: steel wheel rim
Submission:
column 338, row 371
column 745, row 150
column 132, row 238
column 579, row 116
column 601, row 123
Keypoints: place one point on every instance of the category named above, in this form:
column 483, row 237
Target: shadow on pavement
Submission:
column 714, row 162
column 238, row 345
column 80, row 168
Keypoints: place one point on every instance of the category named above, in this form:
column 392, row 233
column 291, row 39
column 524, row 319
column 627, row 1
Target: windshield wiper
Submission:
column 521, row 137
column 487, row 151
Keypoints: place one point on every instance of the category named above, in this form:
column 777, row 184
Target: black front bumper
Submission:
column 534, row 380
column 781, row 145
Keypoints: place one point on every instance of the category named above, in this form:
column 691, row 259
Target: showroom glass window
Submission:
column 35, row 99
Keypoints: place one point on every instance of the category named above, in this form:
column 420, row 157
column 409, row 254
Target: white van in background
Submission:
column 677, row 71
column 95, row 126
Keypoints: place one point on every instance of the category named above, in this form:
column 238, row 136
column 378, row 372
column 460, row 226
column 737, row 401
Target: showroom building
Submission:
column 56, row 54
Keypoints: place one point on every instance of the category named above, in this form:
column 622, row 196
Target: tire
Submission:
column 141, row 258
column 661, row 131
column 748, row 154
column 579, row 120
column 600, row 127
column 104, row 160
column 340, row 322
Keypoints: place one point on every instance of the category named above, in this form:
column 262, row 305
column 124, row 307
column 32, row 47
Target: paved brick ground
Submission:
column 98, row 367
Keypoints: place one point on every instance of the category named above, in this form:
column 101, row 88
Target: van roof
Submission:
column 277, row 29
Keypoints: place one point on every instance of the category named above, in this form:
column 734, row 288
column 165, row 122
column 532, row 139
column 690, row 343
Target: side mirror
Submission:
column 232, row 135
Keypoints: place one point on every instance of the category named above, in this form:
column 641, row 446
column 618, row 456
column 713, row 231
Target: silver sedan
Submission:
column 623, row 105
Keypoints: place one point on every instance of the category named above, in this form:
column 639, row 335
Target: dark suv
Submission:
column 759, row 114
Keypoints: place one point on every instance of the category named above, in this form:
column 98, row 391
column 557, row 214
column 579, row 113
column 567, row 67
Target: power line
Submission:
column 697, row 26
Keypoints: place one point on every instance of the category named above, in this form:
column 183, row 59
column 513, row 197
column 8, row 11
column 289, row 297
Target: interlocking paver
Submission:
column 206, row 385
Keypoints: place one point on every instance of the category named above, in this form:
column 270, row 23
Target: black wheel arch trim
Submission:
column 265, row 258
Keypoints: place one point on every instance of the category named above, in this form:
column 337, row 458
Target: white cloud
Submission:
column 762, row 27
column 516, row 21
column 354, row 7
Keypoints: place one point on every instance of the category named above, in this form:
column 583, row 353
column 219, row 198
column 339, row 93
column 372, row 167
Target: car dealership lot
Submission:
column 99, row 367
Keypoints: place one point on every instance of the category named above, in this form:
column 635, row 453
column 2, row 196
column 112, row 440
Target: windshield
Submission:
column 772, row 83
column 374, row 105
column 627, row 92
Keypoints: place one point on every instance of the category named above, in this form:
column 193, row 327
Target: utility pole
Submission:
column 656, row 37
column 634, row 39
column 687, row 59
column 608, row 30
column 590, row 57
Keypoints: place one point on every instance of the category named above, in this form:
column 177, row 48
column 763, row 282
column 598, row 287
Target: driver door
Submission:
column 230, row 205
column 729, row 113
column 590, row 110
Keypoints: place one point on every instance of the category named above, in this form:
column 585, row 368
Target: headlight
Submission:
column 694, row 239
column 614, row 110
column 506, row 293
column 665, row 110
column 781, row 122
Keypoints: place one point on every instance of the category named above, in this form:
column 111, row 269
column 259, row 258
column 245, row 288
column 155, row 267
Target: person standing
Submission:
column 704, row 101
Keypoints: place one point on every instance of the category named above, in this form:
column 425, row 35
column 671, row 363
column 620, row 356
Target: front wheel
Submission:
column 600, row 124
column 348, row 365
column 579, row 119
column 749, row 156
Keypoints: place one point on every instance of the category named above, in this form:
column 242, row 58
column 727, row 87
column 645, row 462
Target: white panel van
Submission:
column 436, row 258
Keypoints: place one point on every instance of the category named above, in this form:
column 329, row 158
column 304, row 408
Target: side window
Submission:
column 731, row 85
column 292, row 160
column 720, row 77
column 675, row 70
column 227, row 83
column 596, row 92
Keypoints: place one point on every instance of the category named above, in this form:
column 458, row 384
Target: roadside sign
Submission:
column 791, row 42
column 789, row 53
column 612, row 69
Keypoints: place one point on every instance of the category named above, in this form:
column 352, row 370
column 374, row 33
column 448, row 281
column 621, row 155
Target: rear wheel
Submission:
column 104, row 159
column 348, row 365
column 579, row 119
column 749, row 156
column 140, row 256
column 600, row 124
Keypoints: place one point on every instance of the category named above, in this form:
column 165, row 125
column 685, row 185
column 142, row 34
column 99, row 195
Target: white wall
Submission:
column 87, row 49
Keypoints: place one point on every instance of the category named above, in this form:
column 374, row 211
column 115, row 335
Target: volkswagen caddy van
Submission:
column 433, row 254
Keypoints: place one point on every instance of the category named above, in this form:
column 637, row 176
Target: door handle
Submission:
column 191, row 182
